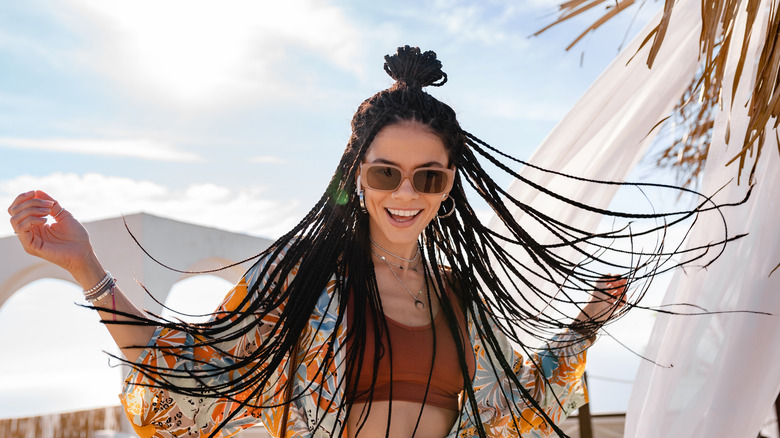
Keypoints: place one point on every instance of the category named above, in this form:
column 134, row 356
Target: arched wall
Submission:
column 231, row 274
column 51, row 349
column 195, row 298
column 26, row 275
column 178, row 244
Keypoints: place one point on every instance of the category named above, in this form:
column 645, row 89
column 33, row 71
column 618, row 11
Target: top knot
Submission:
column 414, row 69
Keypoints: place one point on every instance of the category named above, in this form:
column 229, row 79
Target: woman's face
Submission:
column 398, row 217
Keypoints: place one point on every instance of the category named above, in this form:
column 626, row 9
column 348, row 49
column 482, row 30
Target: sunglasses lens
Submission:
column 430, row 181
column 383, row 177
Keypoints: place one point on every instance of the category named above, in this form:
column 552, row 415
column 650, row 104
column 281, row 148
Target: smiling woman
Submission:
column 390, row 309
column 398, row 214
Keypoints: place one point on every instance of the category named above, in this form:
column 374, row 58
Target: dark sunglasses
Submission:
column 388, row 177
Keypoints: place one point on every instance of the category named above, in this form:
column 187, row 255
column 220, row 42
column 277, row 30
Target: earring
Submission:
column 448, row 213
column 361, row 199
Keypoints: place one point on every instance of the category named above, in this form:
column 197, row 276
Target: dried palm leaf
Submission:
column 685, row 137
column 687, row 152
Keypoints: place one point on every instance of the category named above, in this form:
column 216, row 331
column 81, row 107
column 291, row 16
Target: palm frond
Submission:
column 694, row 114
column 685, row 136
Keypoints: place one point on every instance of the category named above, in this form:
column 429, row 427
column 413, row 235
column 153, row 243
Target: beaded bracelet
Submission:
column 100, row 284
column 100, row 290
column 109, row 289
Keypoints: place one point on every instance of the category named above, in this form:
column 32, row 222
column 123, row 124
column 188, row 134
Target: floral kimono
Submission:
column 553, row 377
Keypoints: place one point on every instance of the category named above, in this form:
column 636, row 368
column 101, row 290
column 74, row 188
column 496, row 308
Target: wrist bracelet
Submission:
column 109, row 290
column 99, row 285
column 100, row 290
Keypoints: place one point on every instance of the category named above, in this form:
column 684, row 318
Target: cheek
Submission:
column 437, row 200
column 373, row 199
column 434, row 203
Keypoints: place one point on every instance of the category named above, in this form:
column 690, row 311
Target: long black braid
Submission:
column 496, row 286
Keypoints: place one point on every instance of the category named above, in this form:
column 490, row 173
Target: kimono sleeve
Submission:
column 160, row 413
column 552, row 376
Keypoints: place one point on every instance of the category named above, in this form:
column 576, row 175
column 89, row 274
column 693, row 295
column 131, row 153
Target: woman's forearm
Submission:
column 129, row 338
column 66, row 244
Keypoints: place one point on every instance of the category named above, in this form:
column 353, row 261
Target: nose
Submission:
column 405, row 190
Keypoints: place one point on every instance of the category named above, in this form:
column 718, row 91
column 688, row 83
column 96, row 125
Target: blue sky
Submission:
column 234, row 113
column 160, row 106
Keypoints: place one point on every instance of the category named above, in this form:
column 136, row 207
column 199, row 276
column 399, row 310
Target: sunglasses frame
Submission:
column 450, row 172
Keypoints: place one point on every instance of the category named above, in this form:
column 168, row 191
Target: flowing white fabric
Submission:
column 605, row 135
column 726, row 373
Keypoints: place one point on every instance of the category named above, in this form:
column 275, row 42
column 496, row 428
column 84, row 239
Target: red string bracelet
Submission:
column 113, row 301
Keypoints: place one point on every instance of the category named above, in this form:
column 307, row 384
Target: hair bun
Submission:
column 414, row 69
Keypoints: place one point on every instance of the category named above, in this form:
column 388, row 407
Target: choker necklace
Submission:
column 384, row 259
column 417, row 301
column 411, row 260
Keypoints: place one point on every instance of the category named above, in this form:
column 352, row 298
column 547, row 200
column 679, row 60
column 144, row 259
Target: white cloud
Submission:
column 204, row 52
column 490, row 23
column 465, row 21
column 137, row 148
column 95, row 196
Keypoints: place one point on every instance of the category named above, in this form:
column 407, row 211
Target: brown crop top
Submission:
column 412, row 355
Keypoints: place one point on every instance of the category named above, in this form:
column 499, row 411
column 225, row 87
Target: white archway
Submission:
column 178, row 244
column 193, row 299
column 54, row 358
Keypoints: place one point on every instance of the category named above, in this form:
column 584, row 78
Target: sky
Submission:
column 233, row 114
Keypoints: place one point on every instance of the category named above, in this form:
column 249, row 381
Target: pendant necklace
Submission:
column 417, row 301
column 384, row 259
column 411, row 260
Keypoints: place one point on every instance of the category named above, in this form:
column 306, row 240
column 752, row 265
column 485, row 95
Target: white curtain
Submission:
column 726, row 373
column 605, row 135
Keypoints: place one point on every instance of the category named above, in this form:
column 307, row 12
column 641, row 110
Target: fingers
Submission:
column 56, row 209
column 18, row 200
column 28, row 223
column 617, row 287
column 610, row 290
column 30, row 209
column 611, row 285
column 35, row 198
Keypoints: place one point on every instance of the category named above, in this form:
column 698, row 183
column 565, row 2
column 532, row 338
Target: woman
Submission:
column 381, row 312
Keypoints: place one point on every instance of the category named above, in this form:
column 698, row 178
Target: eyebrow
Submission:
column 428, row 164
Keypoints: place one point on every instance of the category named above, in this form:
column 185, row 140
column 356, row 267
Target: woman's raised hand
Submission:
column 65, row 242
column 607, row 298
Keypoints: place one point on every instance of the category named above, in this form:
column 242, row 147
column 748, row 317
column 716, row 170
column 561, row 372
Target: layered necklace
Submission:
column 418, row 303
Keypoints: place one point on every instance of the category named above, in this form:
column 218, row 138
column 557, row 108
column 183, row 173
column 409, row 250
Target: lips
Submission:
column 402, row 215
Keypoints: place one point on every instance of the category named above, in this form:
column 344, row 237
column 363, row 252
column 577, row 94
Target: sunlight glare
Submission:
column 197, row 52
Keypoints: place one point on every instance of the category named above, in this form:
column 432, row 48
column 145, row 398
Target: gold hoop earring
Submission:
column 448, row 213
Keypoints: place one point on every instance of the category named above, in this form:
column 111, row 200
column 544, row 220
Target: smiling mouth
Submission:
column 402, row 215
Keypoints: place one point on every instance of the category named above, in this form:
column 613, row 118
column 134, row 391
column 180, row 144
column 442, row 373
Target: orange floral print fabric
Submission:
column 553, row 377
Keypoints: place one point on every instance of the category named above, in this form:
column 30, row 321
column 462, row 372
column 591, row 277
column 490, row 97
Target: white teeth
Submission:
column 405, row 213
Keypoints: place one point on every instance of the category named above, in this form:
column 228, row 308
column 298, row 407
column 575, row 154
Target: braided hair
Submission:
column 495, row 286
